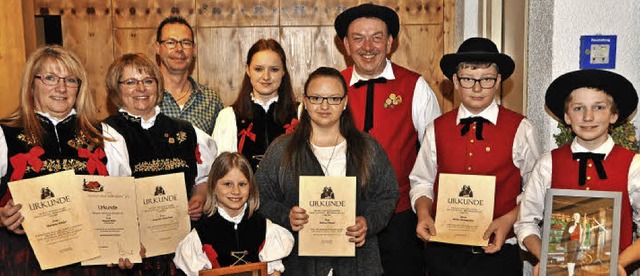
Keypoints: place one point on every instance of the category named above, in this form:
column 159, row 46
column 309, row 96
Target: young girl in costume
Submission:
column 232, row 232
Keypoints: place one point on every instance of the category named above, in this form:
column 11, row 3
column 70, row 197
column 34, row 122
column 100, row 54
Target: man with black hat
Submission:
column 592, row 102
column 478, row 138
column 394, row 105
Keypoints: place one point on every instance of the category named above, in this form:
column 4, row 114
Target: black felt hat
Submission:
column 383, row 13
column 620, row 89
column 477, row 49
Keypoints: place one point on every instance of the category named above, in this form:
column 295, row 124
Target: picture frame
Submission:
column 588, row 247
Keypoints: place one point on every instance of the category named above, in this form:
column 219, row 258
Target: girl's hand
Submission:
column 298, row 218
column 11, row 218
column 358, row 231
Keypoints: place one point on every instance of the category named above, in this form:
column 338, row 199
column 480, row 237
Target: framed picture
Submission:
column 580, row 233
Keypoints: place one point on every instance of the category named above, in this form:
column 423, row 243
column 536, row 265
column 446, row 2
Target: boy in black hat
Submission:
column 394, row 105
column 478, row 138
column 592, row 102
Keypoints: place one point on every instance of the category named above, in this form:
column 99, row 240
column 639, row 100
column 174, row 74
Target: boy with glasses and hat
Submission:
column 394, row 105
column 478, row 138
column 592, row 102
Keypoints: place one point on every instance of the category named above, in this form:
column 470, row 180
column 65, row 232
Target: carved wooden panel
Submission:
column 222, row 54
column 226, row 13
column 307, row 49
column 101, row 30
column 135, row 41
column 149, row 14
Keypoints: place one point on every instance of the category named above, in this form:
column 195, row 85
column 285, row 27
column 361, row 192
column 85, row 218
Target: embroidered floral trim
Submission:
column 159, row 165
column 181, row 136
column 56, row 165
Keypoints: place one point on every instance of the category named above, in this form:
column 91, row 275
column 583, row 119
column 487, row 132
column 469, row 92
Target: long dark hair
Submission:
column 299, row 148
column 285, row 105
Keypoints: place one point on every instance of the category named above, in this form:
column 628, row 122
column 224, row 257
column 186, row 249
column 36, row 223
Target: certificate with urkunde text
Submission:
column 330, row 203
column 464, row 208
column 56, row 220
column 111, row 202
column 163, row 212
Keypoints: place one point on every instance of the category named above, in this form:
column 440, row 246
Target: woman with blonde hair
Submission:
column 55, row 129
column 155, row 143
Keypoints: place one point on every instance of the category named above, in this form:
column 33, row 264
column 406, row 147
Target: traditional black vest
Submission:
column 264, row 127
column 169, row 146
column 221, row 235
column 60, row 151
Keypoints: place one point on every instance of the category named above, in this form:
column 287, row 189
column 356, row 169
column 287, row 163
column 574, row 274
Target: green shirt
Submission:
column 201, row 109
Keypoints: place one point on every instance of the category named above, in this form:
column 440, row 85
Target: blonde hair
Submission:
column 221, row 167
column 138, row 62
column 85, row 105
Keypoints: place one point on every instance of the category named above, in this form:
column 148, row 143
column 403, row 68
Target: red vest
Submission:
column 564, row 175
column 491, row 156
column 392, row 123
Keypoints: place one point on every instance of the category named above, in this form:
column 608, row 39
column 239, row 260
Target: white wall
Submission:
column 572, row 19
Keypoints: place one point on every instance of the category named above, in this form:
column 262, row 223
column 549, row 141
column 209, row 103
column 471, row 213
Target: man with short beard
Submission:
column 183, row 98
column 394, row 105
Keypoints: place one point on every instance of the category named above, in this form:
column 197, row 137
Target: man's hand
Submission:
column 358, row 231
column 11, row 218
column 196, row 202
column 298, row 218
column 500, row 227
column 426, row 227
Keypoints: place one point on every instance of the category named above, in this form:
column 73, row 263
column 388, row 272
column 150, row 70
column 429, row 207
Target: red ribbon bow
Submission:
column 20, row 161
column 243, row 134
column 198, row 155
column 291, row 126
column 94, row 162
column 212, row 255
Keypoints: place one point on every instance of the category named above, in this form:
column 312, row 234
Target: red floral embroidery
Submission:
column 291, row 126
column 246, row 133
column 20, row 161
column 212, row 255
column 94, row 162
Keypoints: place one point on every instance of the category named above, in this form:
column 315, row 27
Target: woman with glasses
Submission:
column 327, row 143
column 155, row 143
column 265, row 107
column 55, row 129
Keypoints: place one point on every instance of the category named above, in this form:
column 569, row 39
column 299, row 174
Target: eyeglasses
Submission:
column 132, row 83
column 485, row 83
column 72, row 82
column 330, row 100
column 172, row 43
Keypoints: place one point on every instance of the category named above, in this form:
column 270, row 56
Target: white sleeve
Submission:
column 190, row 258
column 424, row 108
column 225, row 132
column 423, row 174
column 278, row 244
column 116, row 151
column 532, row 203
column 634, row 189
column 4, row 154
column 525, row 150
column 208, row 153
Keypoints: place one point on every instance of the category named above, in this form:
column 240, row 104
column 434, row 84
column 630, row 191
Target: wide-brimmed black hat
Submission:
column 477, row 49
column 620, row 89
column 367, row 10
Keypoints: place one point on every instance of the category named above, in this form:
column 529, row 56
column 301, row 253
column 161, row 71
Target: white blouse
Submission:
column 278, row 242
